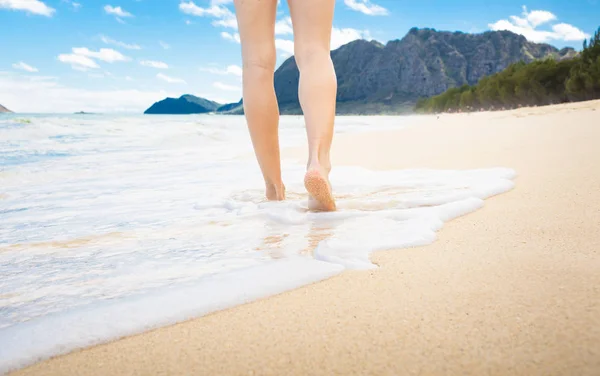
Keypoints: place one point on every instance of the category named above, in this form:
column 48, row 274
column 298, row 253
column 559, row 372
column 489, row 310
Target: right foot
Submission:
column 319, row 190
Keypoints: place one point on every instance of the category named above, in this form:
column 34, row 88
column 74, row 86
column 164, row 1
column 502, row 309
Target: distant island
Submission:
column 83, row 113
column 542, row 82
column 4, row 109
column 374, row 78
column 190, row 104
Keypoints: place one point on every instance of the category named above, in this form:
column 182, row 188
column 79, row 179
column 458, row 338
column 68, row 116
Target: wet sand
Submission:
column 512, row 289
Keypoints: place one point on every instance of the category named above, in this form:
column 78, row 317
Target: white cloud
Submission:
column 527, row 25
column 284, row 26
column 215, row 10
column 108, row 40
column 235, row 70
column 72, row 3
column 171, row 80
column 230, row 22
column 192, row 9
column 569, row 32
column 26, row 67
column 339, row 37
column 285, row 46
column 538, row 17
column 366, row 7
column 105, row 54
column 117, row 11
column 222, row 86
column 46, row 95
column 231, row 69
column 154, row 64
column 164, row 45
column 82, row 58
column 224, row 16
column 231, row 37
column 78, row 62
column 29, row 6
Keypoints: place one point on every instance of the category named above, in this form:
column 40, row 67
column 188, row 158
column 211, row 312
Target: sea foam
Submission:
column 113, row 226
column 53, row 334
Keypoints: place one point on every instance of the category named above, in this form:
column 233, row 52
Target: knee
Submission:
column 309, row 55
column 260, row 62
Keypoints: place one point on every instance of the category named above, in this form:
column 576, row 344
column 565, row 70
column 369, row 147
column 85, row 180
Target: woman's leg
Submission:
column 256, row 22
column 312, row 22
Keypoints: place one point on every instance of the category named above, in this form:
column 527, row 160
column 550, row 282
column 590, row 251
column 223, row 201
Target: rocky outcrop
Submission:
column 4, row 109
column 377, row 78
column 186, row 104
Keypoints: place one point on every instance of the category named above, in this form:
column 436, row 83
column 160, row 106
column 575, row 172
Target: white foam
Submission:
column 57, row 334
column 140, row 214
column 426, row 199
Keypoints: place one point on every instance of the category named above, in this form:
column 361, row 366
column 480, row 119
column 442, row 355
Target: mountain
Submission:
column 232, row 108
column 4, row 109
column 186, row 104
column 377, row 78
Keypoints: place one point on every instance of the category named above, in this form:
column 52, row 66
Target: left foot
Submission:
column 275, row 192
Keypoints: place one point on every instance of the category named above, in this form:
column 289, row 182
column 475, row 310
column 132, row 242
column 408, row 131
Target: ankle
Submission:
column 321, row 163
column 275, row 191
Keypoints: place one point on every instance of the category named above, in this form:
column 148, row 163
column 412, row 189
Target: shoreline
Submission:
column 513, row 283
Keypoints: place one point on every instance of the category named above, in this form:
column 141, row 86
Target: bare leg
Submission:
column 312, row 22
column 256, row 22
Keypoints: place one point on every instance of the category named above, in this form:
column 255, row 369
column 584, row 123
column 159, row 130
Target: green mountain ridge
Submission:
column 542, row 82
column 390, row 78
column 374, row 78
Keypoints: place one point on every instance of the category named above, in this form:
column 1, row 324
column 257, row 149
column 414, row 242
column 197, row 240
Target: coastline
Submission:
column 511, row 288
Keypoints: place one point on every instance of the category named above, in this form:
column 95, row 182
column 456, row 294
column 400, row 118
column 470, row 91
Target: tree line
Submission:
column 538, row 83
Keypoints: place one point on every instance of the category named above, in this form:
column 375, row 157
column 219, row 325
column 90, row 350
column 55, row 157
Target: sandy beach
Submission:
column 511, row 289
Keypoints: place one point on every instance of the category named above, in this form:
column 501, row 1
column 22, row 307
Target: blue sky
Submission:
column 122, row 55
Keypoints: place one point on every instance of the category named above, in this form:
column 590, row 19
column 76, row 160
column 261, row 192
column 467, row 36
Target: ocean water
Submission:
column 113, row 225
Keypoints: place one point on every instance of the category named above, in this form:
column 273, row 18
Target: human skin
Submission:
column 312, row 23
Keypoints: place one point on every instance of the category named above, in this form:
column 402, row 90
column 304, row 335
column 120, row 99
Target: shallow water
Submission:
column 123, row 223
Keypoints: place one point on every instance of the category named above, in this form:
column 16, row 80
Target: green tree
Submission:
column 541, row 82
